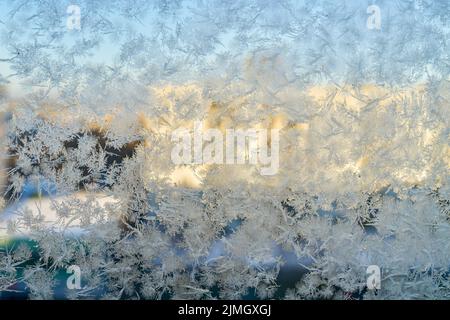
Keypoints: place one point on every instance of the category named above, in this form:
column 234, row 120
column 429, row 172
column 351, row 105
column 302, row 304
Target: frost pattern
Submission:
column 364, row 154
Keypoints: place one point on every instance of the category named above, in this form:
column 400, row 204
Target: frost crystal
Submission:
column 91, row 97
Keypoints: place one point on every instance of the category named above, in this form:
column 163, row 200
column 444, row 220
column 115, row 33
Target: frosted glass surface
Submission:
column 117, row 118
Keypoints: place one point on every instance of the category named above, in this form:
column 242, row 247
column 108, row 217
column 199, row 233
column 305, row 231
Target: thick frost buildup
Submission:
column 92, row 93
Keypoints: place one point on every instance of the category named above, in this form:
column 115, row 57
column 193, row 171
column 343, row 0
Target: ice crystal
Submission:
column 361, row 106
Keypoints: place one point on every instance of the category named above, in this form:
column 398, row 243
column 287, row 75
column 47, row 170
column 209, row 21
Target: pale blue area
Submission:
column 394, row 24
